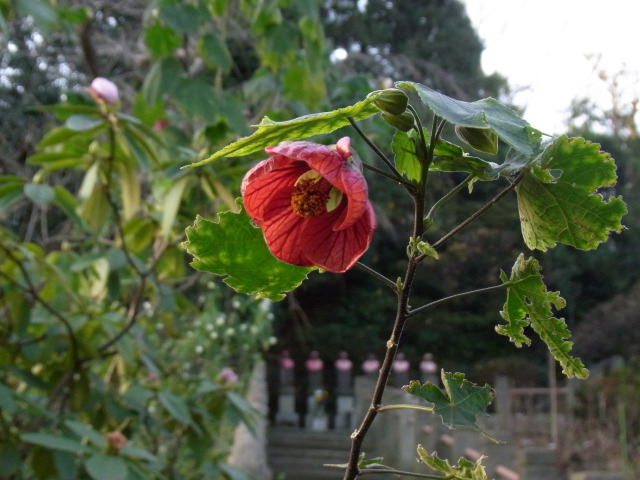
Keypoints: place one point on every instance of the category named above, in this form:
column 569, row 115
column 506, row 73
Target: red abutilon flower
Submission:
column 312, row 204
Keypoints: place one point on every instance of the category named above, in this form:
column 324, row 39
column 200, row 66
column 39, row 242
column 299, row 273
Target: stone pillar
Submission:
column 286, row 414
column 428, row 369
column 316, row 393
column 400, row 370
column 256, row 464
column 371, row 367
column 344, row 391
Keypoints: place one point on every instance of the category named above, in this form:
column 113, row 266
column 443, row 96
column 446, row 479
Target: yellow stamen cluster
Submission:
column 309, row 198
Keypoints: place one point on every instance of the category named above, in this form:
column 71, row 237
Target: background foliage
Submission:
column 105, row 328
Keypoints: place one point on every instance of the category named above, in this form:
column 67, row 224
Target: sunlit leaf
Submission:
column 461, row 402
column 407, row 163
column 529, row 303
column 234, row 249
column 271, row 133
column 465, row 470
column 558, row 199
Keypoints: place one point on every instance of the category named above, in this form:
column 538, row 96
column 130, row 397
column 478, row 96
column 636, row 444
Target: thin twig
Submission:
column 457, row 296
column 482, row 210
column 368, row 471
column 450, row 195
column 396, row 176
column 389, row 283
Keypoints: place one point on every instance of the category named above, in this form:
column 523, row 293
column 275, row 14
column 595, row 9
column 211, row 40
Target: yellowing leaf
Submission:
column 465, row 470
column 529, row 303
column 558, row 202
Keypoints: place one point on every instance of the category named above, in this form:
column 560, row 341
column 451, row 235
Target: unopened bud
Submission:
column 482, row 139
column 103, row 90
column 404, row 121
column 116, row 440
column 391, row 100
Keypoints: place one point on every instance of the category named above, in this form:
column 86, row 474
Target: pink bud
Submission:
column 104, row 90
column 116, row 439
column 228, row 375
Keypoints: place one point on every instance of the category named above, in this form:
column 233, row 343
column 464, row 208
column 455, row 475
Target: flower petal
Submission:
column 264, row 180
column 282, row 229
column 335, row 168
column 337, row 251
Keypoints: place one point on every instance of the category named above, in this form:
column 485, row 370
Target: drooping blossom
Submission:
column 311, row 202
column 103, row 90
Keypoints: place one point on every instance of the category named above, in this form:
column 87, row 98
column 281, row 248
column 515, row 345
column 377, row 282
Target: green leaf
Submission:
column 10, row 460
column 214, row 50
column 86, row 431
column 460, row 403
column 183, row 18
column 56, row 442
column 272, row 133
column 39, row 193
column 83, row 122
column 485, row 113
column 106, row 467
column 566, row 208
column 161, row 40
column 465, row 470
column 198, row 98
column 138, row 453
column 529, row 303
column 176, row 406
column 233, row 248
column 407, row 163
column 43, row 14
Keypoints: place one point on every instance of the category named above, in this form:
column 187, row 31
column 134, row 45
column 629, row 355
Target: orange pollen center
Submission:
column 309, row 198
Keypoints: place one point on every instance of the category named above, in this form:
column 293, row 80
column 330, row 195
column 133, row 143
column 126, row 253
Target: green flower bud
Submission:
column 391, row 101
column 404, row 122
column 482, row 139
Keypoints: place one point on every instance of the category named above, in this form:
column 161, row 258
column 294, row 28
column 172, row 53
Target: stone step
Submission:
column 301, row 454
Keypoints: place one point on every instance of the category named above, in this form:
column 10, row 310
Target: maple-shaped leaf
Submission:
column 558, row 200
column 233, row 248
column 460, row 403
column 465, row 470
column 529, row 303
column 271, row 133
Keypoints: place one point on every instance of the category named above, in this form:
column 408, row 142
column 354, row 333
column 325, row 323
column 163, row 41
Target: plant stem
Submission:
column 381, row 155
column 404, row 406
column 389, row 283
column 457, row 296
column 358, row 436
column 368, row 471
column 479, row 212
column 449, row 195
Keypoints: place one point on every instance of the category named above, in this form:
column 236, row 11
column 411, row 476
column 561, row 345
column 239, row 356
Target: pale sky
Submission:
column 545, row 44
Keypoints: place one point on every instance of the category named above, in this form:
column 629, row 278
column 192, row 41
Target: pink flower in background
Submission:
column 103, row 90
column 227, row 375
column 311, row 202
